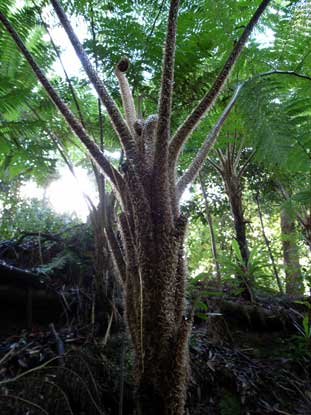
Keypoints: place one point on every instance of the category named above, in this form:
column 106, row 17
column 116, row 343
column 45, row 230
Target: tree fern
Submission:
column 277, row 119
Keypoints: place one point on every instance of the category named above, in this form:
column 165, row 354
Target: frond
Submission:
column 277, row 119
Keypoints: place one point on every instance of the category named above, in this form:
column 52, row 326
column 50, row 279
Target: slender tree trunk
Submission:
column 212, row 234
column 294, row 284
column 233, row 189
column 268, row 245
column 234, row 192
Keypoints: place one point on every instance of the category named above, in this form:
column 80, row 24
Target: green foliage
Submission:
column 254, row 270
column 197, row 294
column 32, row 216
column 58, row 263
column 277, row 122
column 24, row 148
column 302, row 340
column 273, row 114
column 305, row 328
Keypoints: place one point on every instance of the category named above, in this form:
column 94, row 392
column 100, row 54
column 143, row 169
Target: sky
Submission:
column 68, row 55
column 66, row 193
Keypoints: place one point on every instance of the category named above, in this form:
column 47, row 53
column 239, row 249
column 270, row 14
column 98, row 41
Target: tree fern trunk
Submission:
column 233, row 190
column 159, row 331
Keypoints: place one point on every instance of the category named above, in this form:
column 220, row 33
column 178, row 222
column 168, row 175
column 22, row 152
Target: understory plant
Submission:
column 249, row 273
column 304, row 328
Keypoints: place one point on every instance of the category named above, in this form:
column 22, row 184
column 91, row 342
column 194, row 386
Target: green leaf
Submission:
column 252, row 254
column 211, row 293
column 305, row 303
column 305, row 323
column 202, row 316
column 303, row 197
column 200, row 277
column 237, row 251
column 201, row 305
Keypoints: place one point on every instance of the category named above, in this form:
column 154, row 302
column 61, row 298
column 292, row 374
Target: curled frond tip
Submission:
column 123, row 64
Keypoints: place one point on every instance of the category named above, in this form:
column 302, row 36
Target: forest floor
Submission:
column 246, row 358
column 238, row 366
column 252, row 359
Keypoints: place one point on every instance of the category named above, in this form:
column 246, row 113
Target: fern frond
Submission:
column 277, row 119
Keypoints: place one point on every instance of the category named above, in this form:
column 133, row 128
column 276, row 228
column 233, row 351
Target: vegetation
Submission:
column 206, row 208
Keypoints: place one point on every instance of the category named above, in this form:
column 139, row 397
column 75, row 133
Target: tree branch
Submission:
column 233, row 148
column 155, row 21
column 248, row 160
column 161, row 185
column 165, row 99
column 113, row 175
column 261, row 75
column 71, row 88
column 239, row 153
column 118, row 123
column 228, row 155
column 126, row 94
column 196, row 165
column 60, row 147
column 148, row 139
column 116, row 251
column 222, row 160
column 214, row 165
column 125, row 136
column 283, row 72
column 206, row 146
column 99, row 104
column 209, row 99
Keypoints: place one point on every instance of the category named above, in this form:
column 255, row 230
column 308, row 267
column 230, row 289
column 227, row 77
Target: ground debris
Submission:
column 37, row 376
column 234, row 379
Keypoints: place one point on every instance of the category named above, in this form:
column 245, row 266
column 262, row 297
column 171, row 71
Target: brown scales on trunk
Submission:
column 152, row 228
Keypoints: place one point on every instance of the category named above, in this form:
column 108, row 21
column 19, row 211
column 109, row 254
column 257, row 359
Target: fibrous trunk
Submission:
column 234, row 192
column 155, row 286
